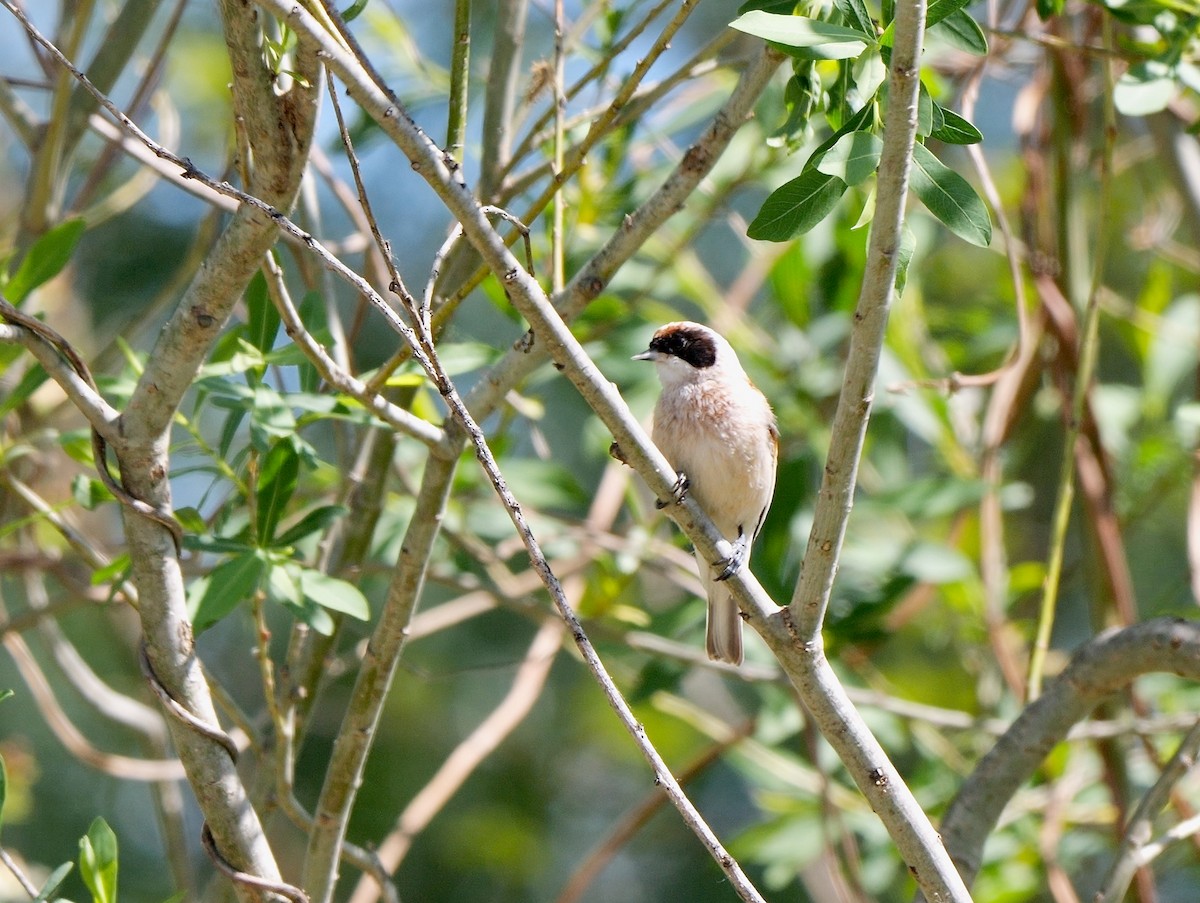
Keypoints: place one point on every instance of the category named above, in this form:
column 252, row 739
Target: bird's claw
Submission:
column 678, row 492
column 732, row 563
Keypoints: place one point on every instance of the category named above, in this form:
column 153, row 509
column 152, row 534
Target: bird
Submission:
column 719, row 433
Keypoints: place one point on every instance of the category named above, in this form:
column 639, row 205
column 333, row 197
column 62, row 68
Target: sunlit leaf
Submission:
column 855, row 15
column 44, row 260
column 334, row 594
column 98, row 862
column 810, row 38
column 950, row 198
column 854, row 158
column 1146, row 87
column 796, row 206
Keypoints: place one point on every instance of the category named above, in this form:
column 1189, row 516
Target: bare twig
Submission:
column 1132, row 853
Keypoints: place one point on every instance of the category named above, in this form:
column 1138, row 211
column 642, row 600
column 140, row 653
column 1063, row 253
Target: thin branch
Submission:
column 11, row 865
column 526, row 689
column 460, row 70
column 1130, row 856
column 64, row 364
column 72, row 738
column 500, row 93
column 398, row 418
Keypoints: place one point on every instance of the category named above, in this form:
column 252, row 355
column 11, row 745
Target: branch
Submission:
column 279, row 128
column 807, row 668
column 526, row 688
column 1099, row 669
column 1132, row 853
column 65, row 366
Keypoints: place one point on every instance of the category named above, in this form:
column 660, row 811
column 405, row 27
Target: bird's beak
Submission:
column 646, row 355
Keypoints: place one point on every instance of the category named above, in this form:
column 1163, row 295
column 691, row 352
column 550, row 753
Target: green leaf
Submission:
column 854, row 158
column 354, row 10
column 263, row 323
column 30, row 383
column 783, row 7
column 961, row 31
column 904, row 256
column 796, row 206
column 314, row 521
column 44, row 260
column 925, row 117
column 812, row 38
column 277, row 480
column 283, row 587
column 89, row 492
column 53, row 882
column 955, row 129
column 941, row 9
column 98, row 862
column 271, row 417
column 3, row 784
column 950, row 198
column 214, row 596
column 334, row 594
column 1145, row 88
column 854, row 14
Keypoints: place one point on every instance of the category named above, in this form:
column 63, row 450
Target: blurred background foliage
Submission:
column 916, row 617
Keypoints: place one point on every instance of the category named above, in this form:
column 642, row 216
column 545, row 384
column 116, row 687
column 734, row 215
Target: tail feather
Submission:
column 723, row 633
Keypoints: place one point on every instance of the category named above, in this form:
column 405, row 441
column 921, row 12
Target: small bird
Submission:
column 720, row 435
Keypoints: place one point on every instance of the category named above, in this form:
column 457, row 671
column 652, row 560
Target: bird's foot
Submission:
column 678, row 492
column 732, row 563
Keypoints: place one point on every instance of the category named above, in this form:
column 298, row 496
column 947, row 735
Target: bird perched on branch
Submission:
column 719, row 433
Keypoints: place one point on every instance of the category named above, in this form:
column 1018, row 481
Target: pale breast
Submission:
column 722, row 441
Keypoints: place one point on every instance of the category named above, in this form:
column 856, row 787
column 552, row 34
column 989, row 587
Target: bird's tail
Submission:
column 723, row 635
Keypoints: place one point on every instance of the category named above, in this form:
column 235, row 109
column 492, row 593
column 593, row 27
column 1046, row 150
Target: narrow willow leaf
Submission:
column 810, row 37
column 263, row 323
column 950, row 198
column 354, row 10
column 315, row 520
column 783, row 7
column 855, row 15
column 956, row 130
column 796, row 206
column 277, row 480
column 45, row 259
column 854, row 158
